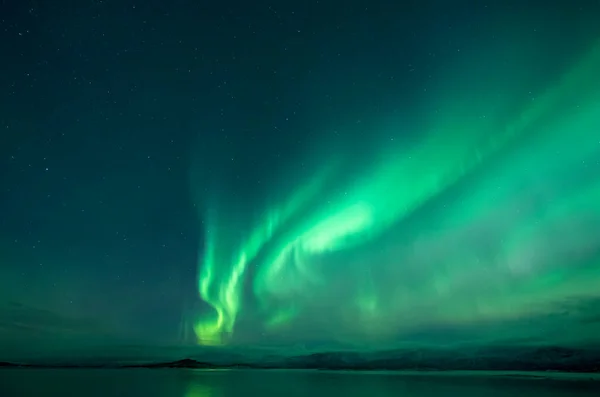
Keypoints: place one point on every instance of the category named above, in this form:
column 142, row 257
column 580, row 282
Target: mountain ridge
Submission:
column 508, row 359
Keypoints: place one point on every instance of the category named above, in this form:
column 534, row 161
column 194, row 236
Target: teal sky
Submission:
column 297, row 177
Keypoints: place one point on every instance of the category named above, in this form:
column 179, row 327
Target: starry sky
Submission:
column 301, row 173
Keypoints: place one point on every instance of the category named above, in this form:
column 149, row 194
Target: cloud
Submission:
column 27, row 331
column 15, row 316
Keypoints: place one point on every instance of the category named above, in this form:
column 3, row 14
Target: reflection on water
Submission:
column 195, row 383
column 199, row 389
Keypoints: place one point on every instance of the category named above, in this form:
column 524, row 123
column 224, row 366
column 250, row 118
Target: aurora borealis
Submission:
column 299, row 177
column 488, row 216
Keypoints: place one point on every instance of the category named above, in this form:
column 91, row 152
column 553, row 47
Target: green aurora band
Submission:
column 483, row 220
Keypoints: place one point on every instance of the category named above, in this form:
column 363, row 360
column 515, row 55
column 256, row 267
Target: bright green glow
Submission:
column 197, row 388
column 226, row 300
column 509, row 232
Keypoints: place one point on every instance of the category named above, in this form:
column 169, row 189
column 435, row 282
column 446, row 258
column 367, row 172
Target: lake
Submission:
column 285, row 383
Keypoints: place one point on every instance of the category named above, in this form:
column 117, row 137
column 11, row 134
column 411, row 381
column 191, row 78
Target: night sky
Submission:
column 300, row 174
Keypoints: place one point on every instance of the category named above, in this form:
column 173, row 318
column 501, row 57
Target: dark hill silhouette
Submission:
column 507, row 359
column 550, row 358
column 185, row 363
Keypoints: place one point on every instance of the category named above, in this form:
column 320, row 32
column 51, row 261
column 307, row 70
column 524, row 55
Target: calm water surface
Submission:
column 200, row 383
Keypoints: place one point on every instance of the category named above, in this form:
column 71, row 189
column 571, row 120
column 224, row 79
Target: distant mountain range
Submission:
column 505, row 359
